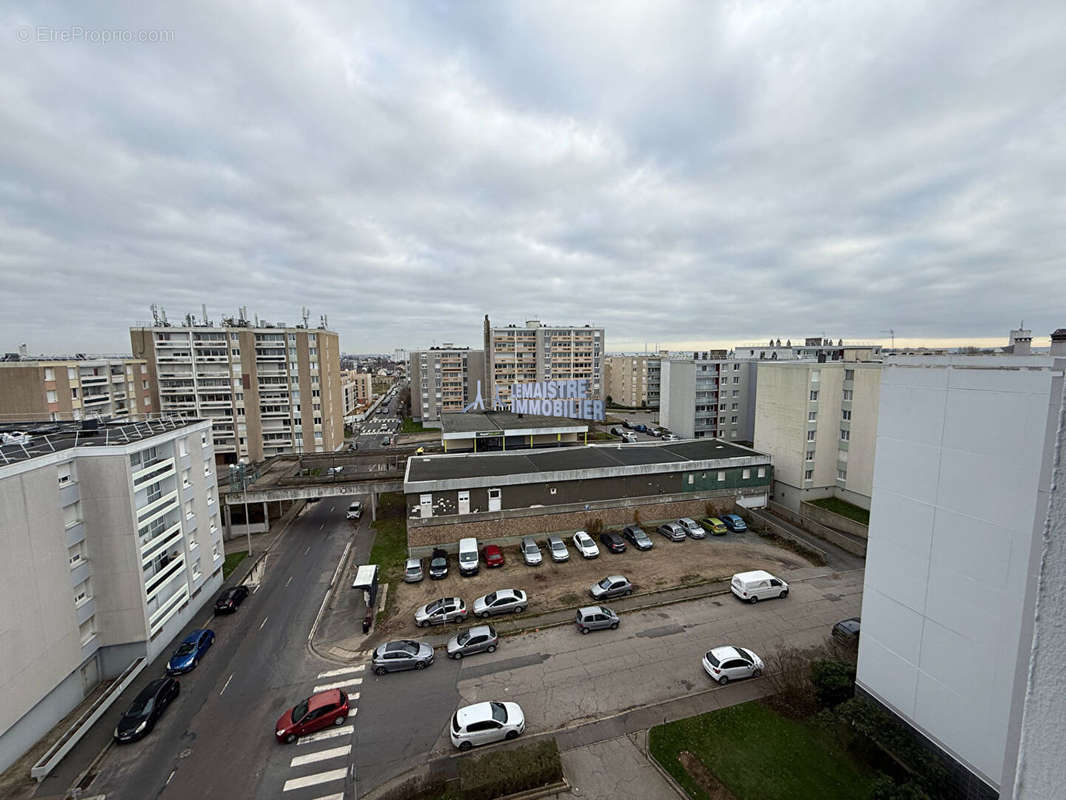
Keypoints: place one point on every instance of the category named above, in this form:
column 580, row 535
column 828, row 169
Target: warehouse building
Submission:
column 502, row 430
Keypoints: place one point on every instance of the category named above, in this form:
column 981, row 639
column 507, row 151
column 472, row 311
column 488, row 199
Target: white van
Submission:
column 757, row 585
column 468, row 560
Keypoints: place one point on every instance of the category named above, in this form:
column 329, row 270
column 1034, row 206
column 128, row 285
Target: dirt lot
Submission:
column 553, row 586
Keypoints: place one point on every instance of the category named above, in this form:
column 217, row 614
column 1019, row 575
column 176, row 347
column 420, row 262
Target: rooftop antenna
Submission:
column 163, row 316
column 891, row 333
column 257, row 320
column 203, row 310
column 242, row 314
column 305, row 314
column 155, row 315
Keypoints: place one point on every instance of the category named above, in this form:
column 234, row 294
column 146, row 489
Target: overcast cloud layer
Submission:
column 674, row 172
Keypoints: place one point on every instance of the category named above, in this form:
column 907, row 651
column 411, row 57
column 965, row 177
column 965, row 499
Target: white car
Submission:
column 485, row 723
column 585, row 545
column 355, row 511
column 15, row 437
column 502, row 601
column 729, row 663
column 757, row 585
column 692, row 528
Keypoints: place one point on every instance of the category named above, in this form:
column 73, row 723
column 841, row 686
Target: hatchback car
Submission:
column 493, row 555
column 230, row 600
column 629, row 438
column 438, row 565
column 145, row 710
column 502, row 601
column 355, row 511
column 595, row 618
column 557, row 548
column 446, row 609
column 611, row 586
column 586, row 545
column 530, row 552
column 412, row 571
column 847, row 630
column 613, row 542
column 191, row 650
column 315, row 713
column 671, row 437
column 673, row 532
column 401, row 655
column 714, row 525
column 637, row 537
column 485, row 723
column 734, row 523
column 725, row 664
column 692, row 528
column 479, row 639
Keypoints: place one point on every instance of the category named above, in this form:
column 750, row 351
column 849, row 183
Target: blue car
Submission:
column 734, row 523
column 189, row 653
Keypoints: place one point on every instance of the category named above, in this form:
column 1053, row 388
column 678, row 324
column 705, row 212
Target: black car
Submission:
column 626, row 425
column 438, row 564
column 637, row 537
column 613, row 542
column 145, row 710
column 230, row 599
column 847, row 630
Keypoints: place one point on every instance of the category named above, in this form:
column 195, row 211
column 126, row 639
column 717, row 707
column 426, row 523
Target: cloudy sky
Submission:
column 679, row 173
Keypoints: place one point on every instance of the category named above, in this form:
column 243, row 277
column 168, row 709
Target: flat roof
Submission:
column 503, row 421
column 49, row 437
column 527, row 462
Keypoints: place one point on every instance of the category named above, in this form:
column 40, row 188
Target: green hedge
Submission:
column 504, row 772
column 833, row 682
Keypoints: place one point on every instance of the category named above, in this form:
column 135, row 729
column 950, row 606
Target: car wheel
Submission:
column 628, row 592
column 420, row 665
column 421, row 624
column 512, row 734
column 584, row 630
column 723, row 680
column 457, row 656
column 490, row 649
column 614, row 626
column 290, row 738
column 756, row 673
column 784, row 593
column 339, row 721
column 519, row 609
column 754, row 600
column 380, row 670
column 464, row 746
column 195, row 661
column 484, row 615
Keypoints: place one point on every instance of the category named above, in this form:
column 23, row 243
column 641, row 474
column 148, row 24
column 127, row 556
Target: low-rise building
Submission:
column 73, row 389
column 502, row 430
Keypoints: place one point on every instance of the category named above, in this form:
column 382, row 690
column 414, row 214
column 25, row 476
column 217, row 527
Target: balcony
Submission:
column 84, row 611
column 156, row 583
column 75, row 533
column 93, row 380
column 79, row 574
column 95, row 400
column 214, row 342
column 177, row 357
column 69, row 494
column 202, row 359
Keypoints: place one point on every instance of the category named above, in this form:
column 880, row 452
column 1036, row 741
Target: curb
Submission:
column 666, row 775
column 342, row 567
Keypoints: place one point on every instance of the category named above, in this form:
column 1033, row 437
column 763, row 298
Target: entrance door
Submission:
column 464, row 502
column 494, row 499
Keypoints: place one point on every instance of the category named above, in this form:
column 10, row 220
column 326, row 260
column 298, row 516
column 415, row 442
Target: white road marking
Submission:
column 171, row 777
column 325, row 687
column 320, row 527
column 332, row 733
column 314, row 780
column 333, row 673
column 337, row 796
column 352, row 712
column 321, row 755
column 288, row 581
column 308, row 550
column 264, row 622
column 226, row 684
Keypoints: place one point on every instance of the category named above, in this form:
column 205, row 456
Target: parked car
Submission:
column 412, row 571
column 734, row 523
column 586, row 545
column 692, row 528
column 146, row 708
column 557, row 548
column 725, row 664
column 714, row 525
column 502, row 601
column 335, row 470
column 190, row 651
column 485, row 723
column 231, row 599
column 673, row 532
column 468, row 557
column 493, row 555
column 657, row 432
column 847, row 630
column 613, row 542
column 438, row 564
column 595, row 618
column 355, row 511
column 637, row 537
column 616, row 431
column 401, row 655
column 628, row 438
column 611, row 586
column 625, row 424
column 671, row 437
column 446, row 609
column 531, row 552
column 315, row 713
column 757, row 585
column 480, row 638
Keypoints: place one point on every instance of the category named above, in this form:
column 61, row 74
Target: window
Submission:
column 71, row 373
column 849, row 374
column 811, row 435
column 842, row 455
column 814, row 395
column 733, row 420
column 812, row 416
column 736, row 367
column 183, row 447
column 845, row 435
column 847, row 394
column 49, row 374
column 74, row 394
column 746, row 474
column 845, row 414
column 185, row 479
column 762, row 472
column 736, row 379
column 50, row 395
column 842, row 474
column 76, row 556
column 810, row 455
column 816, row 375
column 188, row 509
column 808, row 475
column 721, row 475
column 734, row 407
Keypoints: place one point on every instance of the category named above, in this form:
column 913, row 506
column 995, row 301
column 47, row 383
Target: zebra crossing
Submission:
column 322, row 760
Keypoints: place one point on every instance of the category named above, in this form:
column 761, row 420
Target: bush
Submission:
column 636, row 516
column 710, row 509
column 424, row 788
column 594, row 527
column 508, row 771
column 833, row 681
column 887, row 789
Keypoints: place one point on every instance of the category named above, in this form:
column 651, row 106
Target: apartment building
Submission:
column 73, row 389
column 655, row 373
column 963, row 621
column 813, row 348
column 708, row 395
column 446, row 380
column 539, row 352
column 357, row 390
column 627, row 379
column 267, row 390
column 112, row 543
column 818, row 419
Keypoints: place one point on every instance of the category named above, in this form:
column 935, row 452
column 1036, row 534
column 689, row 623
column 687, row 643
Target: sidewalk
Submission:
column 614, row 768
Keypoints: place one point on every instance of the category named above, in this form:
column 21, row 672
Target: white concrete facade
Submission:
column 961, row 485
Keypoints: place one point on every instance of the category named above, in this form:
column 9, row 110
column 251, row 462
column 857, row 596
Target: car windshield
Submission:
column 490, row 598
column 463, row 637
column 558, row 546
column 713, row 661
column 468, row 556
column 434, row 606
column 414, row 569
column 141, row 706
column 438, row 562
column 531, row 548
column 299, row 712
column 499, row 713
column 185, row 649
column 605, row 583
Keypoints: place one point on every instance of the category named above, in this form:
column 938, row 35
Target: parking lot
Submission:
column 553, row 585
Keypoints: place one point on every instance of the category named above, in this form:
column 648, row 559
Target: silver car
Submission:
column 530, row 552
column 502, row 601
column 479, row 639
column 446, row 609
column 692, row 528
column 404, row 654
column 557, row 548
column 673, row 532
column 611, row 586
column 412, row 571
column 595, row 618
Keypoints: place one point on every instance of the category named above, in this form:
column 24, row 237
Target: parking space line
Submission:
column 225, row 685
column 314, row 780
column 332, row 733
column 325, row 687
column 288, row 581
column 337, row 796
column 333, row 673
column 264, row 622
column 321, row 755
column 308, row 550
column 352, row 712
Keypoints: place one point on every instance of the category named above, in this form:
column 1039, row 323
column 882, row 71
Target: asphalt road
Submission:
column 216, row 740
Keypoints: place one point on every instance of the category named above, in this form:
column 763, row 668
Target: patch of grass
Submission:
column 759, row 755
column 692, row 577
column 410, row 426
column 844, row 508
column 231, row 562
column 390, row 548
column 569, row 599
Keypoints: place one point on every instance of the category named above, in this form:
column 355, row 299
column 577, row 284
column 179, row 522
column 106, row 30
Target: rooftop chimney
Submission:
column 1058, row 342
column 1021, row 340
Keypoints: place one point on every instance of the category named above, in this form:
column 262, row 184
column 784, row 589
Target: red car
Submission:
column 493, row 555
column 315, row 713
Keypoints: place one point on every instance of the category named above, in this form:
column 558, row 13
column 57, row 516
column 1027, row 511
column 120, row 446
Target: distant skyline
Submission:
column 682, row 173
